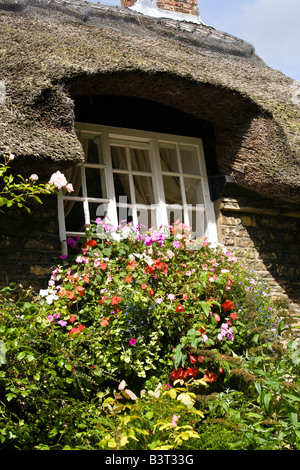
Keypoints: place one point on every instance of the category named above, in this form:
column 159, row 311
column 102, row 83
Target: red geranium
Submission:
column 227, row 305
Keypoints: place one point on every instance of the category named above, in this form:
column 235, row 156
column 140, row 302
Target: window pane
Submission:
column 175, row 215
column 93, row 151
column 172, row 189
column 118, row 158
column 189, row 161
column 75, row 218
column 140, row 160
column 168, row 158
column 143, row 189
column 193, row 191
column 97, row 210
column 122, row 188
column 95, row 182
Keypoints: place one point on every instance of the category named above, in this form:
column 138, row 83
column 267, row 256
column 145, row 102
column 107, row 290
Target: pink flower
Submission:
column 217, row 317
column 69, row 188
column 174, row 420
column 58, row 180
column 176, row 244
column 34, row 177
column 132, row 342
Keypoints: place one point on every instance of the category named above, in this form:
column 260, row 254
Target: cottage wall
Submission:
column 29, row 244
column 267, row 237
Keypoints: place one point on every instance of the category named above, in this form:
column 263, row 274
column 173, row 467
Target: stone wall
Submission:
column 267, row 236
column 29, row 244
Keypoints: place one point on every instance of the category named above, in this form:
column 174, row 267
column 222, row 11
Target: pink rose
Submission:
column 69, row 188
column 58, row 179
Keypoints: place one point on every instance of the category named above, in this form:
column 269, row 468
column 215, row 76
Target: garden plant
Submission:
column 145, row 340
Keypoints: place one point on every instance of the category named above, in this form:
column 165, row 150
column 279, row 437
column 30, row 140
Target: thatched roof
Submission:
column 53, row 51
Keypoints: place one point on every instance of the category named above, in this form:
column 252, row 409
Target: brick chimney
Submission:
column 181, row 10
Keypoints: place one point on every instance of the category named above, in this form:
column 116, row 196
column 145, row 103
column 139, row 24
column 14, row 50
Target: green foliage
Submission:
column 181, row 322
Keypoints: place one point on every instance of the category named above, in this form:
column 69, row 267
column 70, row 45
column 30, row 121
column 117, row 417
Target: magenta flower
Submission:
column 132, row 342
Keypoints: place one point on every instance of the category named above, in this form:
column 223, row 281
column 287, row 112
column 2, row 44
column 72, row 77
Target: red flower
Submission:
column 176, row 374
column 217, row 317
column 227, row 305
column 101, row 301
column 80, row 290
column 71, row 295
column 210, row 377
column 193, row 359
column 131, row 264
column 179, row 308
column 144, row 286
column 115, row 300
column 191, row 372
column 128, row 278
column 233, row 316
column 104, row 322
column 151, row 292
column 102, row 266
column 72, row 318
column 91, row 243
column 74, row 331
column 150, row 269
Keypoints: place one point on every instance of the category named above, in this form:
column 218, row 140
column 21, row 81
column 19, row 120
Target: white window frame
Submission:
column 146, row 140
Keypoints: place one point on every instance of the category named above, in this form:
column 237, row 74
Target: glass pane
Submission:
column 140, row 160
column 197, row 221
column 143, row 189
column 124, row 215
column 147, row 218
column 175, row 215
column 95, row 182
column 122, row 189
column 93, row 151
column 193, row 191
column 172, row 189
column 189, row 160
column 97, row 210
column 168, row 158
column 118, row 158
column 75, row 218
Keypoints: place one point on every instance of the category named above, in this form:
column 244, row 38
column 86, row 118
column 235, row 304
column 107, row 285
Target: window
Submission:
column 140, row 177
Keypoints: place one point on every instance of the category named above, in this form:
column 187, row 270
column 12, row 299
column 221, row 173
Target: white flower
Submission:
column 34, row 177
column 58, row 179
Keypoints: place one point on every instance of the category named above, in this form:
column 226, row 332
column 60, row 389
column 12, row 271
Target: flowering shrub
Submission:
column 18, row 191
column 138, row 303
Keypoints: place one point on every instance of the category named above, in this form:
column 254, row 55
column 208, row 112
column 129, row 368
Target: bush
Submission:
column 147, row 308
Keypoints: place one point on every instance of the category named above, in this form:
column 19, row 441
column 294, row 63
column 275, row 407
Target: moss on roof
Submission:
column 53, row 50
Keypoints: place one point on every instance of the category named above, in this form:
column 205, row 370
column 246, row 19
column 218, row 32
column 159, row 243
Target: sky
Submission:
column 271, row 26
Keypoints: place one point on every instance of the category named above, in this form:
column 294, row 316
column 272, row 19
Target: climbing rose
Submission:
column 58, row 179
